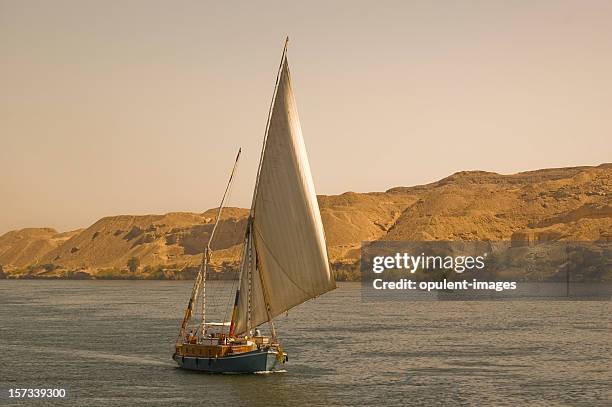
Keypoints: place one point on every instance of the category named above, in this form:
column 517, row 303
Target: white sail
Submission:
column 287, row 232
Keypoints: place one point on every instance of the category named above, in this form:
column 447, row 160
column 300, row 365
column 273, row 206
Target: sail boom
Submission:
column 270, row 110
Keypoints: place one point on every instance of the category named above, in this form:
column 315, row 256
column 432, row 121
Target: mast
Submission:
column 208, row 250
column 200, row 282
column 249, row 242
column 263, row 150
column 287, row 239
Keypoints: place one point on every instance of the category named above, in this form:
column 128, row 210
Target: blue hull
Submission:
column 248, row 362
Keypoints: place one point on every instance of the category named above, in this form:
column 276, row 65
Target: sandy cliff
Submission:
column 535, row 206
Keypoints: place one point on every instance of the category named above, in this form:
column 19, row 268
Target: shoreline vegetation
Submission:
column 526, row 209
column 342, row 272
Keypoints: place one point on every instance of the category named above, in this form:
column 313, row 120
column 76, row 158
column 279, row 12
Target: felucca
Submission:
column 284, row 255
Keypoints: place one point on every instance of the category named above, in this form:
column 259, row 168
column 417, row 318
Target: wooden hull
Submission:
column 247, row 362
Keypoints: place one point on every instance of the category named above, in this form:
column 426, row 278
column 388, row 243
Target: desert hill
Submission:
column 562, row 203
column 544, row 205
column 28, row 246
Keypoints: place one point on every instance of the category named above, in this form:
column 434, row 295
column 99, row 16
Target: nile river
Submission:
column 109, row 343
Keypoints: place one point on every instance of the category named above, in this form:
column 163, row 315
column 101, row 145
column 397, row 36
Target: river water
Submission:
column 109, row 343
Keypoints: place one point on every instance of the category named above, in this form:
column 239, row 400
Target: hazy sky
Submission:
column 135, row 107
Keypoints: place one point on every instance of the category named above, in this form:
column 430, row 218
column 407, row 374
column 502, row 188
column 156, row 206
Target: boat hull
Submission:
column 248, row 362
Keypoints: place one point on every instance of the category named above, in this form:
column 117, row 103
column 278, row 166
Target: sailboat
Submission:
column 284, row 259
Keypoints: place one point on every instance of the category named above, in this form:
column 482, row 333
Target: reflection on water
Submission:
column 110, row 343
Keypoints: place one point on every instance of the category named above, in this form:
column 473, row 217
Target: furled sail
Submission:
column 286, row 233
